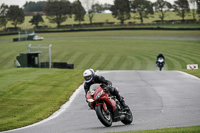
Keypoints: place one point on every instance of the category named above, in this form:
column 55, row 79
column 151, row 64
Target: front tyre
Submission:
column 160, row 68
column 104, row 117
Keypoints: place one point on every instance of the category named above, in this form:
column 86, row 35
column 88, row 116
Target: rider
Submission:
column 160, row 55
column 91, row 78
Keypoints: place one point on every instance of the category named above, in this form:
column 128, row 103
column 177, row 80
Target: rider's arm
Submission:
column 86, row 88
column 104, row 81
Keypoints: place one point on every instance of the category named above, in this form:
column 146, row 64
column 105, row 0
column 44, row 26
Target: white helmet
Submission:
column 88, row 75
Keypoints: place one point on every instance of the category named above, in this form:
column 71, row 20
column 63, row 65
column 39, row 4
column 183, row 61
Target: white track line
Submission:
column 189, row 75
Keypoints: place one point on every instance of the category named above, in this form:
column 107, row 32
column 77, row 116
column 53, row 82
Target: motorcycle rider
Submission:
column 91, row 78
column 160, row 55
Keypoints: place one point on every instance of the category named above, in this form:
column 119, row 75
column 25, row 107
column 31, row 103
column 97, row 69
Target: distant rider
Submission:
column 160, row 55
column 91, row 78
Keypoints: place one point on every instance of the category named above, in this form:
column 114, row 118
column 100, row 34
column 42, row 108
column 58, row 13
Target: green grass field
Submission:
column 111, row 50
column 28, row 95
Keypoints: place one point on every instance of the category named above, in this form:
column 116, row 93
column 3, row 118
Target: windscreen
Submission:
column 93, row 87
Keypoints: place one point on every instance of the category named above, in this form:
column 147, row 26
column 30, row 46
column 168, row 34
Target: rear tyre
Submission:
column 104, row 117
column 129, row 117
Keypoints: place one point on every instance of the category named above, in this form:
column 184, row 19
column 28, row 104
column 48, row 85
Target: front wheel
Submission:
column 104, row 116
column 160, row 68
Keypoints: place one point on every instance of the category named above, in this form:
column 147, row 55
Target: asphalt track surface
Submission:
column 157, row 100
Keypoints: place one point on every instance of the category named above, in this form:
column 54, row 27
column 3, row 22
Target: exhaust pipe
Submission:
column 122, row 117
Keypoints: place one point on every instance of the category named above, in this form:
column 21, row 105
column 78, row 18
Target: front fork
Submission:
column 104, row 106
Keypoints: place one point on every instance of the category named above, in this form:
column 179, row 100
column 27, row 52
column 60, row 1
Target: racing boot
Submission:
column 119, row 98
column 122, row 102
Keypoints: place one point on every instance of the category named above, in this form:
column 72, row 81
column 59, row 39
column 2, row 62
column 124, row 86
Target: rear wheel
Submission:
column 128, row 118
column 104, row 116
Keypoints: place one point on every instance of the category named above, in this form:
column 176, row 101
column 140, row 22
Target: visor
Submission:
column 87, row 78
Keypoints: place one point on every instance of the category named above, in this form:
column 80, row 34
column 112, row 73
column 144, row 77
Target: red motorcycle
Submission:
column 107, row 107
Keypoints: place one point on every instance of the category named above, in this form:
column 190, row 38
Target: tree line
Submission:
column 57, row 11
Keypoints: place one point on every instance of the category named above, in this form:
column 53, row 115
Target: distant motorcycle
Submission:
column 160, row 63
column 108, row 108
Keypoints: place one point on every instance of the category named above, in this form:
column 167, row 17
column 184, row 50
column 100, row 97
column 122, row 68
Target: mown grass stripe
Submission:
column 92, row 61
column 121, row 62
column 98, row 63
column 78, row 60
column 169, row 63
column 144, row 62
column 151, row 61
column 106, row 62
column 182, row 62
column 113, row 63
column 74, row 56
column 130, row 63
column 135, row 62
column 126, row 64
column 194, row 57
column 85, row 60
column 175, row 63
column 141, row 62
column 5, row 57
column 184, row 59
column 62, row 56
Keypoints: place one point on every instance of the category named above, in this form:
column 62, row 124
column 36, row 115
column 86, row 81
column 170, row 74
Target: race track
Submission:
column 157, row 100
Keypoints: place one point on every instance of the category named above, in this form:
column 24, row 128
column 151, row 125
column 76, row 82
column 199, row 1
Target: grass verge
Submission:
column 193, row 72
column 30, row 95
column 192, row 129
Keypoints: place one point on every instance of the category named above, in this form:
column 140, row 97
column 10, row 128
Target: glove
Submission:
column 109, row 85
column 107, row 89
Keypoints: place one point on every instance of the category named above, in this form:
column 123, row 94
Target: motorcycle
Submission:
column 107, row 107
column 160, row 63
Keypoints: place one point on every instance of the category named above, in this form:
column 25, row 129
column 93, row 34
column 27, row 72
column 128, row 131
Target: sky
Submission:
column 22, row 2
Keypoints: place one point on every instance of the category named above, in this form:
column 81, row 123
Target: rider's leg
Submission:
column 114, row 92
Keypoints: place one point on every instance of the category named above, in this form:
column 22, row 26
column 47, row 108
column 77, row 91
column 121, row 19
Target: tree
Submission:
column 196, row 5
column 193, row 3
column 162, row 7
column 143, row 7
column 15, row 15
column 36, row 20
column 106, row 6
column 78, row 11
column 3, row 15
column 198, row 8
column 97, row 8
column 181, row 7
column 89, row 5
column 34, row 6
column 121, row 10
column 57, row 11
